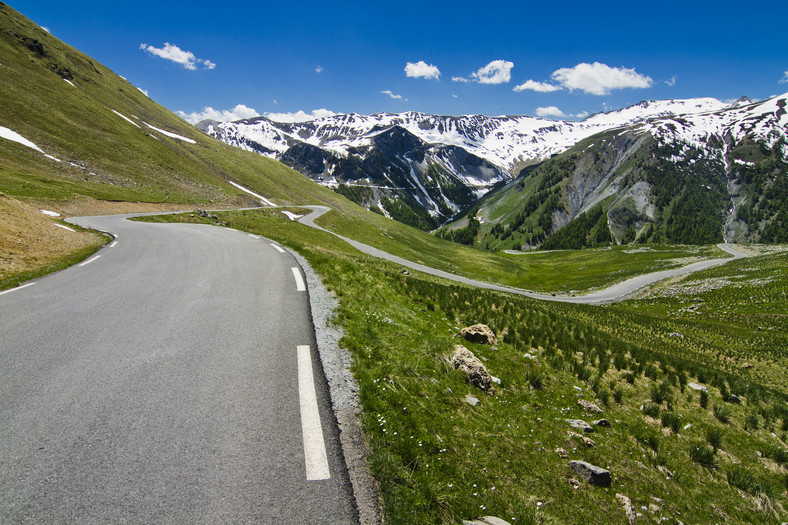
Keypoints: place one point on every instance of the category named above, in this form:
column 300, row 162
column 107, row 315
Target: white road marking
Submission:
column 89, row 260
column 314, row 447
column 64, row 227
column 114, row 243
column 300, row 286
column 253, row 236
column 17, row 288
column 278, row 248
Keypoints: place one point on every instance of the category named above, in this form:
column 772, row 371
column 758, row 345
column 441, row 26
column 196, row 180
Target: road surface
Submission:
column 612, row 293
column 166, row 379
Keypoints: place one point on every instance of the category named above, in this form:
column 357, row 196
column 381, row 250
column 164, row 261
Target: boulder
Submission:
column 602, row 423
column 696, row 386
column 464, row 360
column 473, row 401
column 479, row 333
column 580, row 425
column 591, row 473
column 629, row 509
column 588, row 406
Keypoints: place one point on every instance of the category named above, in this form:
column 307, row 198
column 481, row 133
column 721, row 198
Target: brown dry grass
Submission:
column 30, row 240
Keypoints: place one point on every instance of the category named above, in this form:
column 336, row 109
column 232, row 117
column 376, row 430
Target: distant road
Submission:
column 164, row 380
column 613, row 293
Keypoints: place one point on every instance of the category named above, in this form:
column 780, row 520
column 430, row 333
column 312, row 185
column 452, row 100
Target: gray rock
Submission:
column 629, row 509
column 588, row 406
column 580, row 425
column 487, row 520
column 463, row 359
column 591, row 473
column 602, row 423
column 696, row 386
column 473, row 401
column 736, row 400
column 479, row 333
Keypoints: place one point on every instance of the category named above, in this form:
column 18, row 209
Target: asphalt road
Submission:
column 610, row 294
column 159, row 382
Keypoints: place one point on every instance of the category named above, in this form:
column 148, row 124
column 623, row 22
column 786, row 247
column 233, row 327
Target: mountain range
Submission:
column 424, row 169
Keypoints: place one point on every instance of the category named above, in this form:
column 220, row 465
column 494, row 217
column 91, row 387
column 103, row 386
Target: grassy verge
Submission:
column 674, row 451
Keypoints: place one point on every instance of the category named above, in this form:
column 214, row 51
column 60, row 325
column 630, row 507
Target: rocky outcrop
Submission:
column 479, row 333
column 464, row 360
column 588, row 406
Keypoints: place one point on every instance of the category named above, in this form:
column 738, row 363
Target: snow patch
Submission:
column 64, row 227
column 16, row 137
column 50, row 213
column 292, row 216
column 71, row 83
column 250, row 192
column 169, row 134
column 127, row 119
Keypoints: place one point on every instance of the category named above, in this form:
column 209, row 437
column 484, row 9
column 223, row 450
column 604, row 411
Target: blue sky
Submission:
column 546, row 58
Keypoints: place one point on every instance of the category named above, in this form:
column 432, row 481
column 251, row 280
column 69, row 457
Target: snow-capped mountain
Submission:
column 700, row 177
column 441, row 164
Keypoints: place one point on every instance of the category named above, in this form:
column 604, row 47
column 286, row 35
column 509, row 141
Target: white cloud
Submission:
column 541, row 87
column 671, row 82
column 550, row 111
column 459, row 79
column 239, row 112
column 421, row 69
column 496, row 72
column 454, row 95
column 785, row 78
column 582, row 114
column 319, row 69
column 599, row 79
column 300, row 116
column 179, row 56
column 392, row 95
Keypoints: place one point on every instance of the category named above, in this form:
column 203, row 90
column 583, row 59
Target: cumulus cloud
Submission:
column 459, row 79
column 319, row 69
column 421, row 69
column 392, row 95
column 496, row 72
column 550, row 111
column 239, row 112
column 554, row 112
column 599, row 79
column 300, row 116
column 671, row 82
column 785, row 78
column 541, row 87
column 179, row 56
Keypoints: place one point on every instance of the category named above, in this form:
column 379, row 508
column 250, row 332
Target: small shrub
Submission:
column 647, row 436
column 777, row 454
column 618, row 395
column 701, row 454
column 651, row 410
column 536, row 377
column 721, row 412
column 704, row 399
column 604, row 396
column 672, row 421
column 742, row 480
column 630, row 378
column 751, row 421
column 714, row 437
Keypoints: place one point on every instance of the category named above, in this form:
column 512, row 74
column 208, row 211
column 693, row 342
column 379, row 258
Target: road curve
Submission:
column 616, row 292
column 158, row 381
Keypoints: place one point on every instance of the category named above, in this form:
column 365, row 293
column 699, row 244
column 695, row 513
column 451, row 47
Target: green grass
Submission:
column 440, row 460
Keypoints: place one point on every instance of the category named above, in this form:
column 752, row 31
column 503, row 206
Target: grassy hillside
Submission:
column 676, row 453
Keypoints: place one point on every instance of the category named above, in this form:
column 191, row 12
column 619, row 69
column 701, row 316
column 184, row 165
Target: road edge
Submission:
column 343, row 390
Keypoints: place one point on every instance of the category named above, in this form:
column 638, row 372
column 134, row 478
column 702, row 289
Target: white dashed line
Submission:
column 278, row 248
column 114, row 243
column 89, row 260
column 17, row 288
column 253, row 236
column 314, row 447
column 300, row 286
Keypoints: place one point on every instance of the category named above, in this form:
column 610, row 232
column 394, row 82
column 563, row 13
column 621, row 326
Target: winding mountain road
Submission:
column 172, row 377
column 610, row 294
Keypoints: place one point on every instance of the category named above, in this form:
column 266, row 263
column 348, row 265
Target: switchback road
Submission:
column 172, row 377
